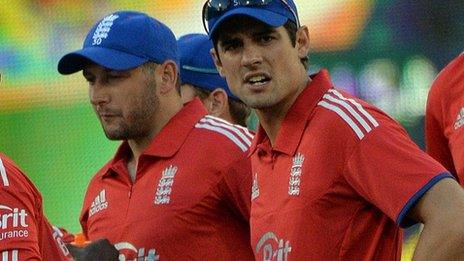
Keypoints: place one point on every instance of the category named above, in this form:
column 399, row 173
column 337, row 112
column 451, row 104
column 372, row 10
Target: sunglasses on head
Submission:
column 214, row 8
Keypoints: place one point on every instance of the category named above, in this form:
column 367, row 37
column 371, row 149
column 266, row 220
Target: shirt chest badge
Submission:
column 163, row 191
column 459, row 119
column 295, row 175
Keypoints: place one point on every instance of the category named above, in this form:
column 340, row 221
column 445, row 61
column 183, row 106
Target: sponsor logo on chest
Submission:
column 273, row 248
column 13, row 223
column 99, row 203
column 127, row 251
column 163, row 191
column 295, row 175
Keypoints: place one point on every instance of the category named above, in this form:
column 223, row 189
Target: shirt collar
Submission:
column 171, row 137
column 295, row 121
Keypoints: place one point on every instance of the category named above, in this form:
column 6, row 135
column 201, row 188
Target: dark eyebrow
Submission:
column 229, row 40
column 264, row 31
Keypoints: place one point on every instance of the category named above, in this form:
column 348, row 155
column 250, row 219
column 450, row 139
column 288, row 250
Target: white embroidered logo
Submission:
column 13, row 223
column 273, row 248
column 127, row 251
column 103, row 29
column 295, row 175
column 99, row 203
column 459, row 119
column 163, row 192
column 255, row 187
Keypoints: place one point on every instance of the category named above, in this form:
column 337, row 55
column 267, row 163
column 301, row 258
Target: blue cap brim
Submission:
column 263, row 15
column 209, row 82
column 108, row 58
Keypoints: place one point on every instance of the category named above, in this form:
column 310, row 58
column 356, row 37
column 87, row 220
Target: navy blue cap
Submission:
column 275, row 14
column 197, row 66
column 123, row 40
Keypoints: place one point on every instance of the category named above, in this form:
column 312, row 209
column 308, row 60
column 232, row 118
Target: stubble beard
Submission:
column 137, row 123
column 259, row 103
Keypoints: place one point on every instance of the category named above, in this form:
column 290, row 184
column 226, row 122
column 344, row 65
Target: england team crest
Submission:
column 295, row 175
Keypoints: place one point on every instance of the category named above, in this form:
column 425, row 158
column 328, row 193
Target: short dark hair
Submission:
column 232, row 25
column 238, row 110
column 291, row 29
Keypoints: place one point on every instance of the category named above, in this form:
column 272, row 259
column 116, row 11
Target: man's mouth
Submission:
column 257, row 79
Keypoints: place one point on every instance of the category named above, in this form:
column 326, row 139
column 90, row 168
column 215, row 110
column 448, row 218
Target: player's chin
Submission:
column 114, row 134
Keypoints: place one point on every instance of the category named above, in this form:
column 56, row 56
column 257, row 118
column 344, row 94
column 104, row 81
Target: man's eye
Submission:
column 230, row 47
column 266, row 38
column 113, row 77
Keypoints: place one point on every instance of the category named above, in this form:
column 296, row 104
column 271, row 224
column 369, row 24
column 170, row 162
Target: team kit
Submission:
column 326, row 175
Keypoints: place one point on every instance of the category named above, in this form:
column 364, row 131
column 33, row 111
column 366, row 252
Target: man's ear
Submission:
column 217, row 102
column 167, row 79
column 302, row 41
column 217, row 61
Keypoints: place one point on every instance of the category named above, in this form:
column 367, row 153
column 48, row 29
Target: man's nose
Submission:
column 98, row 94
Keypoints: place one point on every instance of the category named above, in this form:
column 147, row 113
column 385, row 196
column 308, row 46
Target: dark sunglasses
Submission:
column 214, row 8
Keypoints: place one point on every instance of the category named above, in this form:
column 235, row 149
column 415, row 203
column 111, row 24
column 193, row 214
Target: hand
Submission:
column 98, row 250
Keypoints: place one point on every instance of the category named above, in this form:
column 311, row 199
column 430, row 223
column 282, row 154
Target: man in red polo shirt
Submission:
column 334, row 177
column 25, row 233
column 444, row 118
column 178, row 187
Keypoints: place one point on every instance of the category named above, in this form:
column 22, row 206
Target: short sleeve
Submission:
column 391, row 172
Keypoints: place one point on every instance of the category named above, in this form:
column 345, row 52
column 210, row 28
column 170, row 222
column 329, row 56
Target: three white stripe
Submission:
column 353, row 118
column 239, row 135
column 14, row 255
column 5, row 180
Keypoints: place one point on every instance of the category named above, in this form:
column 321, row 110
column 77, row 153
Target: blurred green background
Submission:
column 387, row 52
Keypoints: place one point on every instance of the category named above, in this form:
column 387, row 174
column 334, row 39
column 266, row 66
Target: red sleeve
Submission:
column 435, row 120
column 84, row 216
column 391, row 172
column 19, row 203
column 237, row 187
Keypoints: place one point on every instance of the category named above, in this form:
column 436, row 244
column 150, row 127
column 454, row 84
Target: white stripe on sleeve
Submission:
column 5, row 180
column 229, row 127
column 345, row 117
column 359, row 106
column 350, row 110
column 224, row 132
column 238, row 127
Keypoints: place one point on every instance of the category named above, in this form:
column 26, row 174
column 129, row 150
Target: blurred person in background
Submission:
column 334, row 177
column 444, row 118
column 177, row 187
column 200, row 78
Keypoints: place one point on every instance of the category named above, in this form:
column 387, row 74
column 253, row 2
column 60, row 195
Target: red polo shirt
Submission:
column 444, row 119
column 190, row 199
column 25, row 233
column 338, row 182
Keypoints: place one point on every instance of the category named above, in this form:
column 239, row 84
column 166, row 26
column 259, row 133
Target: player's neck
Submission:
column 132, row 168
column 271, row 118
